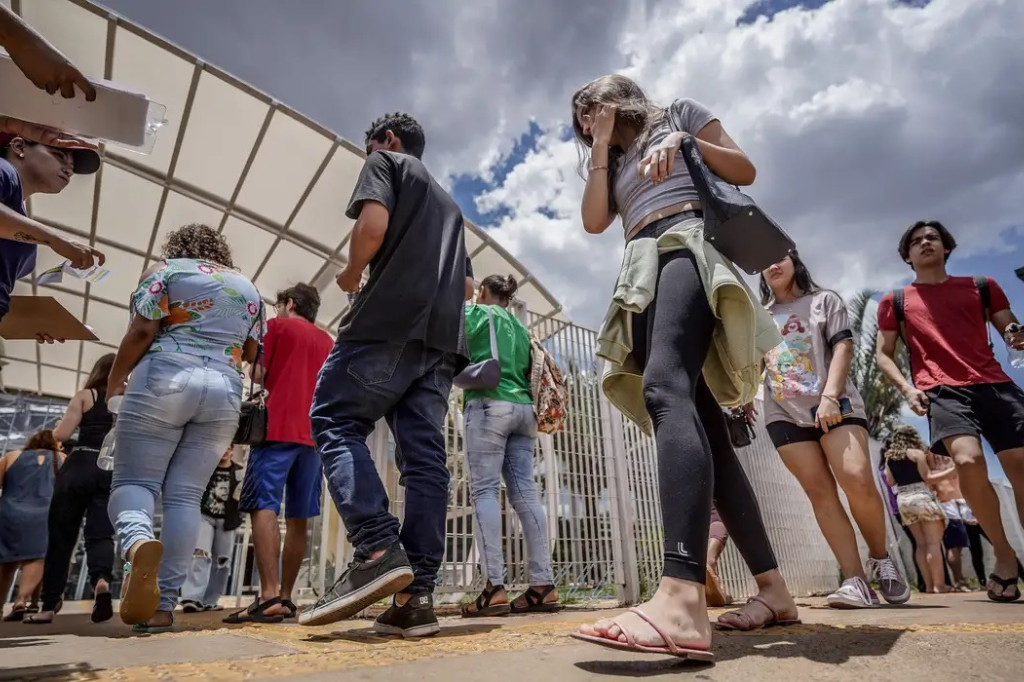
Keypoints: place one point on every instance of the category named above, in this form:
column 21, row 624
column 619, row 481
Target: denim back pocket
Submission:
column 375, row 362
column 165, row 377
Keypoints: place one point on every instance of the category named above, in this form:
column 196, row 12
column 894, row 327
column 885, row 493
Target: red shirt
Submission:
column 948, row 339
column 294, row 350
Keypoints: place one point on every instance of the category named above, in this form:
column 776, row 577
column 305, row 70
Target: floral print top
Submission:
column 204, row 309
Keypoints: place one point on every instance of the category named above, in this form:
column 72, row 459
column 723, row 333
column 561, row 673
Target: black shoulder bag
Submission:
column 733, row 222
column 740, row 432
column 252, row 420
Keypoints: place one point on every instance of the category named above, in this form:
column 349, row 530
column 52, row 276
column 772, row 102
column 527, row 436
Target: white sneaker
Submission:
column 854, row 593
column 891, row 584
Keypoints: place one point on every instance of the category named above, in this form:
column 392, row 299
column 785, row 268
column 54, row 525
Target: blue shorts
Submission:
column 277, row 470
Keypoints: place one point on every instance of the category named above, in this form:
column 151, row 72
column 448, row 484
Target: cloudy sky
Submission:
column 861, row 115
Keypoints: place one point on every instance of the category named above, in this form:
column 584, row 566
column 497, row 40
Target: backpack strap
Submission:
column 901, row 318
column 985, row 294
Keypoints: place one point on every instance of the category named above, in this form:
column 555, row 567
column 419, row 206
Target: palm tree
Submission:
column 883, row 402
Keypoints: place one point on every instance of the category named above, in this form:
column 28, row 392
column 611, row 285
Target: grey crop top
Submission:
column 636, row 197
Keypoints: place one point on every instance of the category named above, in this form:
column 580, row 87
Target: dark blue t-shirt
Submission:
column 17, row 259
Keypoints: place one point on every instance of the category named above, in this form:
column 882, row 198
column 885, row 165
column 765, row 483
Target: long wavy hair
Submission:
column 802, row 280
column 633, row 111
column 904, row 438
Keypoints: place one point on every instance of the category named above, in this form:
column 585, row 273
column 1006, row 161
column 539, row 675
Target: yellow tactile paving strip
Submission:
column 324, row 649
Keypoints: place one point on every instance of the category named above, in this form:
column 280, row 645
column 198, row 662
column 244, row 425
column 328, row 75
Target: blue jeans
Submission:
column 499, row 441
column 179, row 414
column 211, row 563
column 408, row 384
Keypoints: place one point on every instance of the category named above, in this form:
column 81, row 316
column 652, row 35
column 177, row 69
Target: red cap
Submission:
column 84, row 160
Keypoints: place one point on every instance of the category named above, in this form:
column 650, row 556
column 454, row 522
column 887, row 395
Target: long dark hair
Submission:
column 502, row 288
column 801, row 279
column 633, row 111
column 100, row 372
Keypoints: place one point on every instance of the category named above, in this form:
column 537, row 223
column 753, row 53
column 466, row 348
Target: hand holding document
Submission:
column 55, row 275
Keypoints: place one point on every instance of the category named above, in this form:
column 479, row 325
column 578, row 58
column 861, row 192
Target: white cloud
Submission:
column 862, row 116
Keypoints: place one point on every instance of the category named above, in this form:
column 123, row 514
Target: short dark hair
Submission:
column 305, row 297
column 502, row 288
column 948, row 243
column 405, row 128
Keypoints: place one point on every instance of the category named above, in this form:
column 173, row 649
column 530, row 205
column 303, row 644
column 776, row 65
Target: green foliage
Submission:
column 883, row 402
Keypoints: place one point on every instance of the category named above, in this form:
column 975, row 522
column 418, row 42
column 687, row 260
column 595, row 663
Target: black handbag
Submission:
column 486, row 374
column 733, row 222
column 252, row 419
column 740, row 432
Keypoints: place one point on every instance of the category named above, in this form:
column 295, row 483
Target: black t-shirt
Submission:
column 416, row 290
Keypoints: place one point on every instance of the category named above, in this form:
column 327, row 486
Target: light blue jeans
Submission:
column 499, row 442
column 211, row 563
column 180, row 412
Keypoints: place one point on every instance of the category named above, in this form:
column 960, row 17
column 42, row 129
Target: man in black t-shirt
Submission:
column 399, row 346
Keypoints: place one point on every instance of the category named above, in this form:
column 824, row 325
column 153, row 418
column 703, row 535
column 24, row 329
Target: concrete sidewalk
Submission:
column 935, row 638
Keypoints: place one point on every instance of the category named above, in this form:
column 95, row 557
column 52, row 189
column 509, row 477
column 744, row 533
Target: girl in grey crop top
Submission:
column 637, row 197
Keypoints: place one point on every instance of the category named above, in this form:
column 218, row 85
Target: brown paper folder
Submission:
column 30, row 316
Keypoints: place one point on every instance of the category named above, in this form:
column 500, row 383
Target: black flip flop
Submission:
column 255, row 613
column 1004, row 583
column 484, row 609
column 16, row 616
column 535, row 601
column 102, row 607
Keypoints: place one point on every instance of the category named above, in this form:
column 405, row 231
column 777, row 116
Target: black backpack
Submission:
column 986, row 303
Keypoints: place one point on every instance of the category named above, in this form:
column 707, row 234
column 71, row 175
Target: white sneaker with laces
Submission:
column 854, row 593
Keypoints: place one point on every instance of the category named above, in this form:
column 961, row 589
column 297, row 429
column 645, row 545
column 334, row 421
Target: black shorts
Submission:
column 786, row 433
column 955, row 536
column 994, row 412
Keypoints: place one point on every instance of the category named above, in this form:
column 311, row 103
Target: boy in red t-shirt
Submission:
column 286, row 465
column 957, row 381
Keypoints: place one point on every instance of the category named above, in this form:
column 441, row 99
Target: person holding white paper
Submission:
column 28, row 168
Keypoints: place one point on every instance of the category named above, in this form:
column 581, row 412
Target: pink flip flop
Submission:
column 670, row 648
column 774, row 622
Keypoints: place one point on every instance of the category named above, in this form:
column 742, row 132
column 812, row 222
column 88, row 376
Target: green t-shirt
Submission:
column 513, row 353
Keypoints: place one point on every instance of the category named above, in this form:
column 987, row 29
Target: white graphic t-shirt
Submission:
column 797, row 369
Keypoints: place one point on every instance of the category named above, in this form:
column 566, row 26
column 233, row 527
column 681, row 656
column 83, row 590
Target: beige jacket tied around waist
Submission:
column 744, row 331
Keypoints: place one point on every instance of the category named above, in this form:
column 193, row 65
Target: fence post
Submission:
column 621, row 513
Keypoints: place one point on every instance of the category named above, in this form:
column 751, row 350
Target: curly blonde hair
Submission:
column 904, row 438
column 200, row 242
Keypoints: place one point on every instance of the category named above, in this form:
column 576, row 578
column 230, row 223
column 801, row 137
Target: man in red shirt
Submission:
column 294, row 350
column 957, row 381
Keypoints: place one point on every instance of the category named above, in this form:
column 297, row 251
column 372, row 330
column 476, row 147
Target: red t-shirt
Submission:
column 948, row 339
column 294, row 350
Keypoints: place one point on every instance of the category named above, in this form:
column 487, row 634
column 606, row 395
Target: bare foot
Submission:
column 161, row 619
column 756, row 614
column 678, row 607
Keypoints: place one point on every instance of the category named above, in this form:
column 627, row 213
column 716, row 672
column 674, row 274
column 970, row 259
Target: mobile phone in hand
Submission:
column 845, row 409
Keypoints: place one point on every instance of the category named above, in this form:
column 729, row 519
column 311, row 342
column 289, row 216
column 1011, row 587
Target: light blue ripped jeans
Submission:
column 499, row 442
column 180, row 412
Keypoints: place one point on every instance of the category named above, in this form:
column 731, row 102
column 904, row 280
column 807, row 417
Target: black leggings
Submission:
column 696, row 460
column 81, row 490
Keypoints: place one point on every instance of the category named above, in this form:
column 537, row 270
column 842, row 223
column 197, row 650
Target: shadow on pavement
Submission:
column 368, row 636
column 50, row 673
column 818, row 643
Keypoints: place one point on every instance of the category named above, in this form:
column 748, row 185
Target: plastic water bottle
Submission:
column 1016, row 357
column 105, row 460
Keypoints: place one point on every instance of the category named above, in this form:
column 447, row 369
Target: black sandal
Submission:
column 33, row 619
column 16, row 615
column 292, row 608
column 256, row 613
column 1004, row 583
column 102, row 607
column 535, row 601
column 483, row 605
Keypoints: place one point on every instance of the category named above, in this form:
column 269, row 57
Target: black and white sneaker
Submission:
column 415, row 619
column 191, row 606
column 362, row 584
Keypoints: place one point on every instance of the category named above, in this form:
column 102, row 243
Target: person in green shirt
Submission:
column 501, row 428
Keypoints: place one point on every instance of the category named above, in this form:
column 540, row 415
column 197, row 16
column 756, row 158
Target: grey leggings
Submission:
column 696, row 460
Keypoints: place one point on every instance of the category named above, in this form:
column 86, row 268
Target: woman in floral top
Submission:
column 195, row 320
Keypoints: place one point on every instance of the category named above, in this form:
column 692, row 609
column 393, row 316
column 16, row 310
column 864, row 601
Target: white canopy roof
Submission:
column 273, row 181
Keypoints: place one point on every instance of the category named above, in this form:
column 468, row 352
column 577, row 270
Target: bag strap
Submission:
column 494, row 338
column 56, row 466
column 259, row 356
column 901, row 318
column 985, row 293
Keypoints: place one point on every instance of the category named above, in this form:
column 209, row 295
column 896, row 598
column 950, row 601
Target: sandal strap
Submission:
column 1003, row 582
column 661, row 633
column 771, row 610
column 535, row 597
column 260, row 607
column 484, row 600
